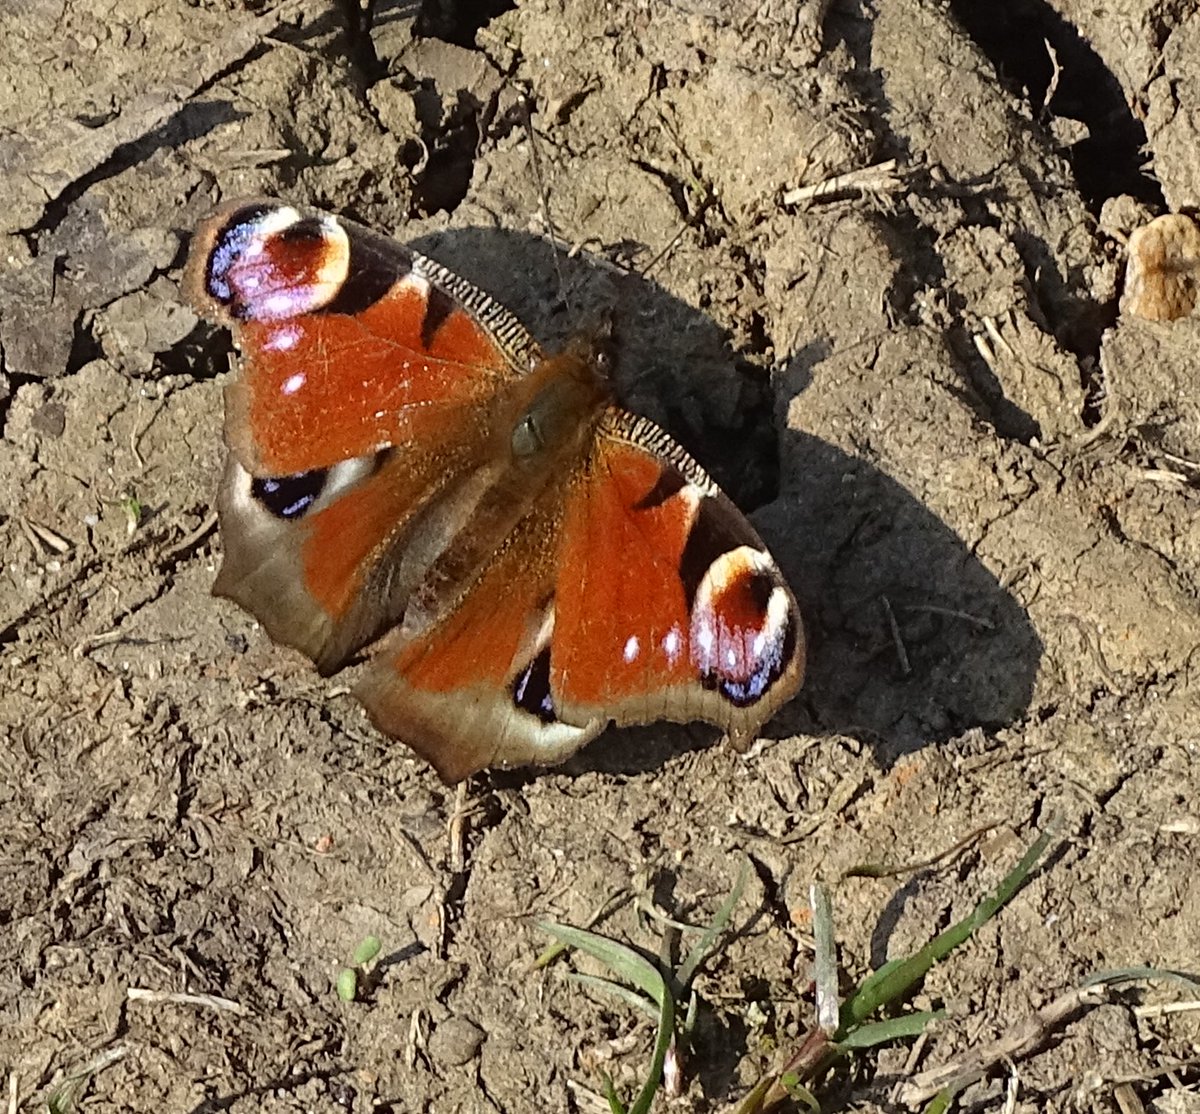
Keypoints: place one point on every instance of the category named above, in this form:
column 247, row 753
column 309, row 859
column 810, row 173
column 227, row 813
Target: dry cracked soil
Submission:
column 866, row 258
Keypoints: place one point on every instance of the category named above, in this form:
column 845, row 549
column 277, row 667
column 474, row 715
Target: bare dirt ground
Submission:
column 982, row 481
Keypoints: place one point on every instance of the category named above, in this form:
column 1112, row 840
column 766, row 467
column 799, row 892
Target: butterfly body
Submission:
column 410, row 477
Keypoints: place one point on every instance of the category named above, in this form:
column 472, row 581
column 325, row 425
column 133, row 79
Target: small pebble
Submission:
column 455, row 1041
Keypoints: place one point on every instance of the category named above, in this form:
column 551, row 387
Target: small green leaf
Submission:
column 893, row 1029
column 132, row 506
column 347, row 984
column 366, row 951
column 940, row 1102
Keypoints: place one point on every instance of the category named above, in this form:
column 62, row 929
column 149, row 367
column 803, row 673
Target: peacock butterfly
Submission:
column 409, row 476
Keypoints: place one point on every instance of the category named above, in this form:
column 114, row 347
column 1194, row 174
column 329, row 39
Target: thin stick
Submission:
column 1160, row 476
column 212, row 1001
column 894, row 627
column 666, row 250
column 543, row 196
column 1055, row 74
column 1014, row 1082
column 1022, row 1040
column 880, row 178
column 1181, row 460
column 189, row 540
column 1165, row 1008
column 949, row 612
column 135, row 437
column 910, row 1064
column 1127, row 1100
column 458, row 829
column 909, row 868
column 94, row 641
column 36, row 533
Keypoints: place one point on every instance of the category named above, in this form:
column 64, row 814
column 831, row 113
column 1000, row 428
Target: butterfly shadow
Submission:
column 912, row 641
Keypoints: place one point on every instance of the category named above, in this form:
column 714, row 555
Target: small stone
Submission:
column 455, row 1042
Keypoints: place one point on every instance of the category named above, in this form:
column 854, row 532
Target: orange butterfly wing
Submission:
column 363, row 417
column 635, row 593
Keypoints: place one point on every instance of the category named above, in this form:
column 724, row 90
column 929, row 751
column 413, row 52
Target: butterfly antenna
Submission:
column 544, row 198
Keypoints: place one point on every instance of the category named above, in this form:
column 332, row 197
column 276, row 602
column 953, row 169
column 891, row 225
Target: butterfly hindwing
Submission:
column 668, row 604
column 635, row 592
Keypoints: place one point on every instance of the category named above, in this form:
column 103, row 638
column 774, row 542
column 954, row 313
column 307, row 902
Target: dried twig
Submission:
column 42, row 538
column 924, row 864
column 880, row 178
column 188, row 540
column 212, row 1001
column 1055, row 74
column 1160, row 476
column 951, row 613
column 1165, row 1008
column 894, row 627
column 457, row 830
column 1127, row 1099
column 665, row 251
column 94, row 641
column 1022, row 1040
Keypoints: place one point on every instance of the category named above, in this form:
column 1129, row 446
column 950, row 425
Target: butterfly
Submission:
column 410, row 479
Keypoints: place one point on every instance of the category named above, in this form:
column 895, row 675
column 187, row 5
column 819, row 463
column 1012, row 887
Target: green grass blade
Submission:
column 894, row 981
column 615, row 990
column 825, row 970
column 753, row 1102
column 1140, row 974
column 666, row 1031
column 868, row 985
column 893, row 1029
column 643, row 974
column 687, row 970
column 618, row 958
column 615, row 1105
column 605, row 910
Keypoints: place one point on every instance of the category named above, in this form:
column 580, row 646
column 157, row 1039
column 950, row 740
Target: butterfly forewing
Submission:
column 363, row 422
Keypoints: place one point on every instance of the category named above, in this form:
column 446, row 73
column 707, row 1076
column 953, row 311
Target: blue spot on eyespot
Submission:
column 231, row 244
column 531, row 691
column 289, row 497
